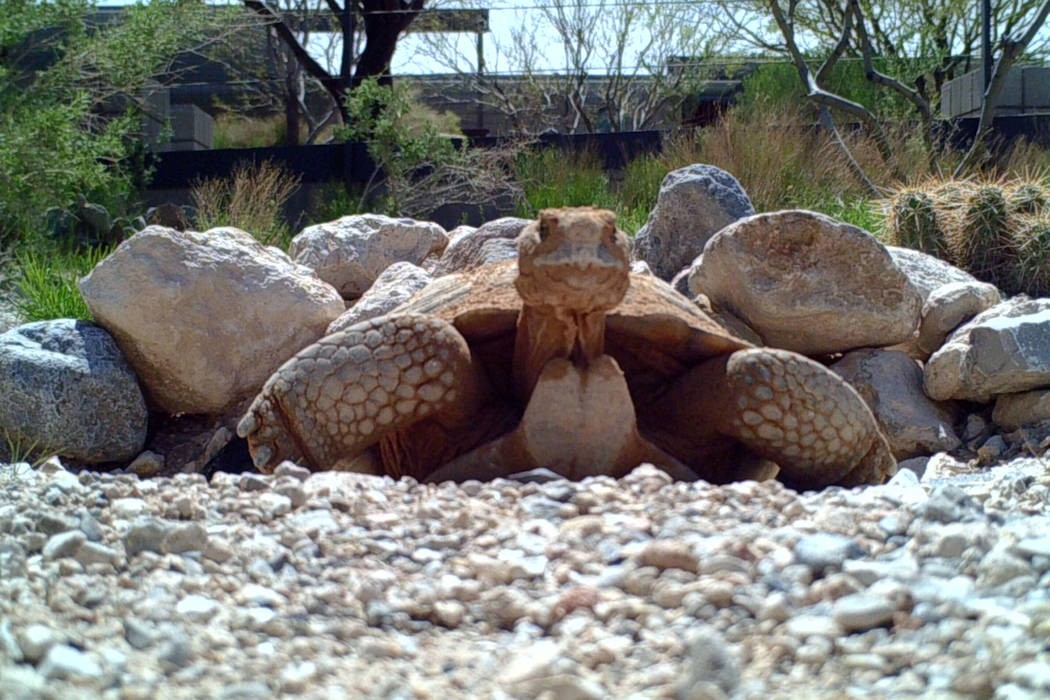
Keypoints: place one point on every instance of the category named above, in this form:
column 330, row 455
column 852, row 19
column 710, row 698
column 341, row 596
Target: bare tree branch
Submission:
column 1010, row 52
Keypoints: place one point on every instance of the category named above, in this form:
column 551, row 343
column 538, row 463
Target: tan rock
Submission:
column 808, row 283
column 949, row 306
column 205, row 318
column 351, row 252
column 1015, row 410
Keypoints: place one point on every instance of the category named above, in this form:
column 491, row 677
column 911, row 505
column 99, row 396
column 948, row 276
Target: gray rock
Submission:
column 65, row 386
column 824, row 552
column 64, row 544
column 12, row 559
column 950, row 504
column 197, row 607
column 138, row 634
column 95, row 553
column 950, row 305
column 185, row 537
column 709, row 661
column 35, row 641
column 927, row 272
column 890, row 383
column 351, row 252
column 808, row 283
column 805, row 626
column 54, row 523
column 491, row 242
column 394, row 286
column 693, row 204
column 66, row 662
column 999, row 566
column 1003, row 350
column 145, row 535
column 862, row 611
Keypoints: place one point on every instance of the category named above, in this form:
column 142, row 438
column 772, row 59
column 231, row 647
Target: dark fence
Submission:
column 349, row 162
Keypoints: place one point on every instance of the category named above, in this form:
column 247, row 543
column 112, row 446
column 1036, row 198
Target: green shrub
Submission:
column 551, row 177
column 46, row 281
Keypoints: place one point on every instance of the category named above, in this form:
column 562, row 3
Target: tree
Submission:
column 589, row 65
column 384, row 21
column 909, row 49
column 61, row 76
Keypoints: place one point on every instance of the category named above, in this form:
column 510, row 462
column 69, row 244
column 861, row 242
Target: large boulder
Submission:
column 890, row 383
column 1003, row 350
column 349, row 253
column 693, row 204
column 491, row 242
column 392, row 288
column 66, row 387
column 808, row 283
column 205, row 318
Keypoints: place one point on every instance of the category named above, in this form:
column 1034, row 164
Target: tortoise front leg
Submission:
column 350, row 390
column 786, row 408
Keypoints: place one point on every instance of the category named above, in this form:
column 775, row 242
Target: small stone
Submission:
column 824, row 553
column 65, row 662
column 449, row 613
column 147, row 464
column 185, row 537
column 64, row 544
column 127, row 508
column 288, row 468
column 35, row 640
column 1034, row 674
column 54, row 523
column 218, row 550
column 862, row 611
column 254, row 594
column 253, row 482
column 999, row 566
column 1033, row 547
column 9, row 646
column 145, row 535
column 139, row 636
column 805, row 626
column 669, row 554
column 95, row 553
column 197, row 607
column 274, row 504
column 709, row 661
column 296, row 675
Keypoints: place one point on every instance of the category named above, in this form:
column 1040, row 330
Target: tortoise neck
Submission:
column 546, row 332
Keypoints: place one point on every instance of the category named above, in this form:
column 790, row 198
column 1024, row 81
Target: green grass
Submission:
column 46, row 281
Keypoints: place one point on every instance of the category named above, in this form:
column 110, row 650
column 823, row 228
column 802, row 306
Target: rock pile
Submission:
column 204, row 318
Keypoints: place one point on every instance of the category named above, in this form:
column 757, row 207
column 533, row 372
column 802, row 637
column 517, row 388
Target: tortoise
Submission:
column 562, row 359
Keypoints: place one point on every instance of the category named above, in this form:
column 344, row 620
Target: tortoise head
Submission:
column 573, row 259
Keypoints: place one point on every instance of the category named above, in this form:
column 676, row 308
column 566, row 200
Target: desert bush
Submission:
column 46, row 280
column 420, row 165
column 252, row 199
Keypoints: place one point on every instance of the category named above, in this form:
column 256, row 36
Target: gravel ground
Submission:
column 339, row 585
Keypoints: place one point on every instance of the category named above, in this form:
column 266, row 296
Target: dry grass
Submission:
column 783, row 160
column 252, row 198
